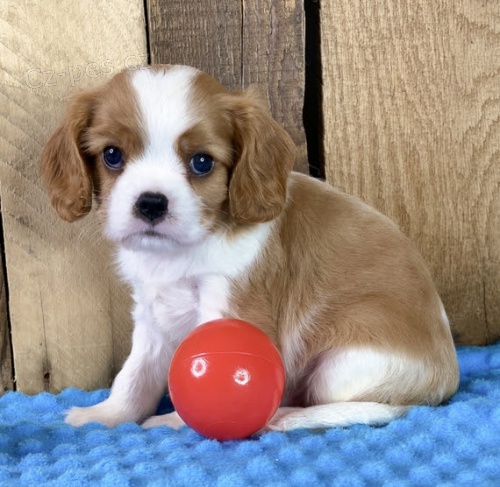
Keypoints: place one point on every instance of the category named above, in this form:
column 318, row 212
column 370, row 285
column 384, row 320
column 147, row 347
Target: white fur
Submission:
column 183, row 225
column 164, row 101
column 340, row 378
column 332, row 415
column 344, row 375
column 174, row 291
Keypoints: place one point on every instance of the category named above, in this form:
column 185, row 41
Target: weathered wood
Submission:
column 69, row 318
column 6, row 377
column 254, row 43
column 411, row 114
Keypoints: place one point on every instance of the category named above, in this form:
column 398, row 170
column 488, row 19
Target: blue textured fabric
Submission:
column 457, row 444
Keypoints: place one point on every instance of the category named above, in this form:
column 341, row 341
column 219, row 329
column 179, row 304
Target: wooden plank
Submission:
column 273, row 44
column 69, row 319
column 411, row 114
column 205, row 34
column 6, row 376
column 258, row 43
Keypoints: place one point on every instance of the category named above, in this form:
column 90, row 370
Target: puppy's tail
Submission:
column 333, row 415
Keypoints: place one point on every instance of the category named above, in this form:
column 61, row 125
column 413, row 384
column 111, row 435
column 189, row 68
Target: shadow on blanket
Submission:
column 457, row 444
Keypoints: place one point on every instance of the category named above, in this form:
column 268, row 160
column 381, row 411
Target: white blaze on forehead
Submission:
column 163, row 99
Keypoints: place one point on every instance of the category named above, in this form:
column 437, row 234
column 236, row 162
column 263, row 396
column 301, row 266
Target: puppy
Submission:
column 195, row 187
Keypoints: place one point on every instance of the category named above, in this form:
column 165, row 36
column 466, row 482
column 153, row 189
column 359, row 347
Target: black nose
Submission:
column 151, row 207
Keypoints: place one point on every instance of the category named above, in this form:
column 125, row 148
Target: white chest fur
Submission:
column 177, row 290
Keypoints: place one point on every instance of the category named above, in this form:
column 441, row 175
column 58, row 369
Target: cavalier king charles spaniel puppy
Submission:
column 194, row 185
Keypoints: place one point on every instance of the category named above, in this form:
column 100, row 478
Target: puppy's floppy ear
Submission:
column 265, row 155
column 64, row 168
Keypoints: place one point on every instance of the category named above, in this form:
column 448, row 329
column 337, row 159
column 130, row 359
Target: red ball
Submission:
column 226, row 379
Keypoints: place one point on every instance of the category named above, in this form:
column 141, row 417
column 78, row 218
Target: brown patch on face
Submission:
column 254, row 155
column 115, row 122
column 212, row 134
column 72, row 166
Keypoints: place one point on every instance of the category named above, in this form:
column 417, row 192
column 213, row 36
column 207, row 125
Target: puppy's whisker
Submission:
column 91, row 230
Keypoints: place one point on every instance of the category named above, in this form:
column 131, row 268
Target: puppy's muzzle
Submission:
column 151, row 207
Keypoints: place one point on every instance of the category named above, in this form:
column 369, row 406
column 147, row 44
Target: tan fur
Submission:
column 362, row 284
column 64, row 165
column 212, row 134
column 266, row 154
column 71, row 164
column 238, row 131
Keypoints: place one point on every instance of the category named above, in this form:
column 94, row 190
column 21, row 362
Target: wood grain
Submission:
column 6, row 377
column 411, row 113
column 252, row 43
column 69, row 317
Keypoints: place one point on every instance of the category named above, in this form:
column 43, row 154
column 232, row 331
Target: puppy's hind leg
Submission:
column 339, row 414
column 348, row 387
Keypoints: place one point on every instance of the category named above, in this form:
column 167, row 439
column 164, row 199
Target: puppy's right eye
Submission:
column 113, row 157
column 201, row 164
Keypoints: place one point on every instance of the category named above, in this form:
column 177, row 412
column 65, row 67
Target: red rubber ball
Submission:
column 226, row 379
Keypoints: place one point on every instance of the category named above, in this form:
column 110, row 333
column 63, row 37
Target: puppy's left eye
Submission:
column 201, row 164
column 113, row 157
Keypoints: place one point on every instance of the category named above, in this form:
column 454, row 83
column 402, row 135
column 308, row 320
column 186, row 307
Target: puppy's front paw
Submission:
column 172, row 420
column 103, row 413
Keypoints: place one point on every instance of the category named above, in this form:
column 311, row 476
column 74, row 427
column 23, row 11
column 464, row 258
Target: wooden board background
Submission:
column 69, row 318
column 410, row 115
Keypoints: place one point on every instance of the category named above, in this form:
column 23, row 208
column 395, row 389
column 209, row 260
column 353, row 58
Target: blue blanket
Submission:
column 457, row 444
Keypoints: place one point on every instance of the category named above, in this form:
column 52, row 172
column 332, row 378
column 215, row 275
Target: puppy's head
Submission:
column 170, row 156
